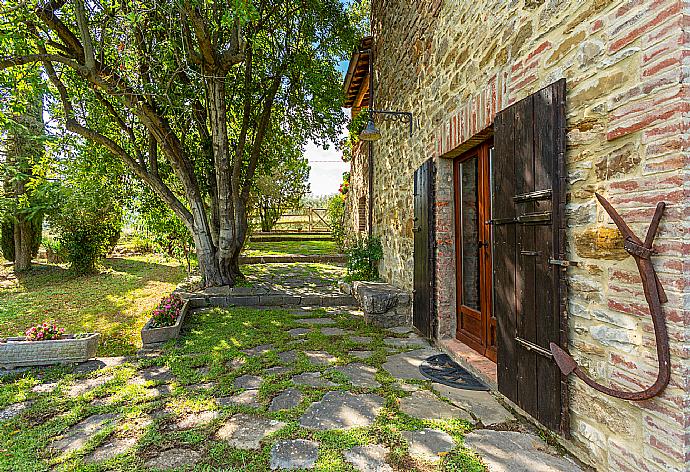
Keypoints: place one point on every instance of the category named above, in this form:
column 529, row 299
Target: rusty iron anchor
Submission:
column 654, row 294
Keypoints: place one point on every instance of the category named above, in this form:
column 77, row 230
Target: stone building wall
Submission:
column 455, row 64
column 359, row 190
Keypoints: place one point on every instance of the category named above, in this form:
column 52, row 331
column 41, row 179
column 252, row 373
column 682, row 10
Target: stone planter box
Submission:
column 155, row 336
column 18, row 352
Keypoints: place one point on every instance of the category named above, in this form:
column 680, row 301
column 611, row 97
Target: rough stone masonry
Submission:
column 455, row 64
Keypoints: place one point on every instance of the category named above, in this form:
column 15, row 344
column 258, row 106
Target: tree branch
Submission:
column 7, row 62
column 83, row 24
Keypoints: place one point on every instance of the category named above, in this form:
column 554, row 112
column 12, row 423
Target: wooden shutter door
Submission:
column 528, row 225
column 424, row 235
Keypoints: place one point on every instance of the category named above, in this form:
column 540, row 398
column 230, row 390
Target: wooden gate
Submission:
column 424, row 238
column 529, row 249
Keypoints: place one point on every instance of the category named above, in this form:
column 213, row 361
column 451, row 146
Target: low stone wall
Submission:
column 384, row 305
column 248, row 296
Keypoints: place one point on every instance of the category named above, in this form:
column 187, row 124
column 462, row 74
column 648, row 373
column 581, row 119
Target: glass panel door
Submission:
column 469, row 210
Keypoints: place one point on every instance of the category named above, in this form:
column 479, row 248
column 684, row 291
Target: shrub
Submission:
column 88, row 223
column 54, row 252
column 336, row 218
column 167, row 311
column 44, row 332
column 363, row 256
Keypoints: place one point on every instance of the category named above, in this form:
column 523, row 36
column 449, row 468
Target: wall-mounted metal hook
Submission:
column 655, row 296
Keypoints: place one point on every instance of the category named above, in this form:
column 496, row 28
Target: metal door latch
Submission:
column 562, row 263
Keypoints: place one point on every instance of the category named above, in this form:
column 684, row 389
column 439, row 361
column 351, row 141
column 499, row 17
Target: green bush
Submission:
column 88, row 223
column 363, row 256
column 54, row 252
column 336, row 219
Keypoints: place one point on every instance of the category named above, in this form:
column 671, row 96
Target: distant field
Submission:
column 290, row 248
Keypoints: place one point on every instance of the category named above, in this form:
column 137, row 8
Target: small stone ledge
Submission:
column 289, row 259
column 383, row 304
column 201, row 300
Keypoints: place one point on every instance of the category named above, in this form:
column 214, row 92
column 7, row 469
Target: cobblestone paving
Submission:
column 238, row 393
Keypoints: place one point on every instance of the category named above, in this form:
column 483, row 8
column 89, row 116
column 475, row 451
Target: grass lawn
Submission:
column 210, row 355
column 307, row 247
column 114, row 303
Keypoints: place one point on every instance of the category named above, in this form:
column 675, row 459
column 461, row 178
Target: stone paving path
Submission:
column 307, row 390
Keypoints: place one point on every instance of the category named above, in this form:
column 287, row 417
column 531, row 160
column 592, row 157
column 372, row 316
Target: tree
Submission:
column 25, row 190
column 192, row 85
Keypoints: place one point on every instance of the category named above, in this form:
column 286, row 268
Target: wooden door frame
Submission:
column 483, row 346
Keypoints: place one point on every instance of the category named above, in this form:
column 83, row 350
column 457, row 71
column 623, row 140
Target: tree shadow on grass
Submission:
column 114, row 302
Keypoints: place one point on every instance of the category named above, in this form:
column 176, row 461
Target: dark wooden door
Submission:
column 476, row 326
column 529, row 243
column 423, row 300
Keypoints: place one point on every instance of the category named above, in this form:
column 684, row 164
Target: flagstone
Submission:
column 510, row 451
column 248, row 382
column 426, row 406
column 85, row 385
column 236, row 363
column 334, row 331
column 45, row 388
column 360, row 375
column 246, row 431
column 294, row 454
column 14, row 409
column 286, row 400
column 297, row 332
column 288, row 356
column 481, row 404
column 194, row 420
column 109, row 449
column 201, row 386
column 361, row 339
column 320, row 357
column 156, row 374
column 371, row 458
column 342, row 410
column 400, row 343
column 361, row 354
column 247, row 398
column 315, row 321
column 312, row 379
column 259, row 350
column 175, row 458
column 278, row 370
column 401, row 329
column 405, row 365
column 79, row 434
column 429, row 444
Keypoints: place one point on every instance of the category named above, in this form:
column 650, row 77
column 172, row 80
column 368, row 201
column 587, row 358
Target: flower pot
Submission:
column 18, row 352
column 152, row 336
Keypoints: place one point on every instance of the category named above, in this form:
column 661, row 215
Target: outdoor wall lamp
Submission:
column 371, row 133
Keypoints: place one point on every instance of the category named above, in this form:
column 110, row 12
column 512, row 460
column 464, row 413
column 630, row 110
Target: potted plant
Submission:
column 166, row 320
column 47, row 344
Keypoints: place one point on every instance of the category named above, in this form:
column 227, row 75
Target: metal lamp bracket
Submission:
column 400, row 116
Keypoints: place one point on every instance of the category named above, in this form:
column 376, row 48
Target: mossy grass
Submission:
column 211, row 350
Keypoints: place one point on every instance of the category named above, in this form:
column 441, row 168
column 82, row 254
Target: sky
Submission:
column 327, row 167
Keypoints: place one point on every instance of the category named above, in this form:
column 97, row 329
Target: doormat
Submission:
column 442, row 369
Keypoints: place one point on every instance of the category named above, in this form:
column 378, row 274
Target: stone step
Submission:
column 271, row 299
column 294, row 258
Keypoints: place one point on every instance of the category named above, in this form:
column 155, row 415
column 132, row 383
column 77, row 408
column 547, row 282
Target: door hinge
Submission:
column 530, row 346
column 562, row 263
